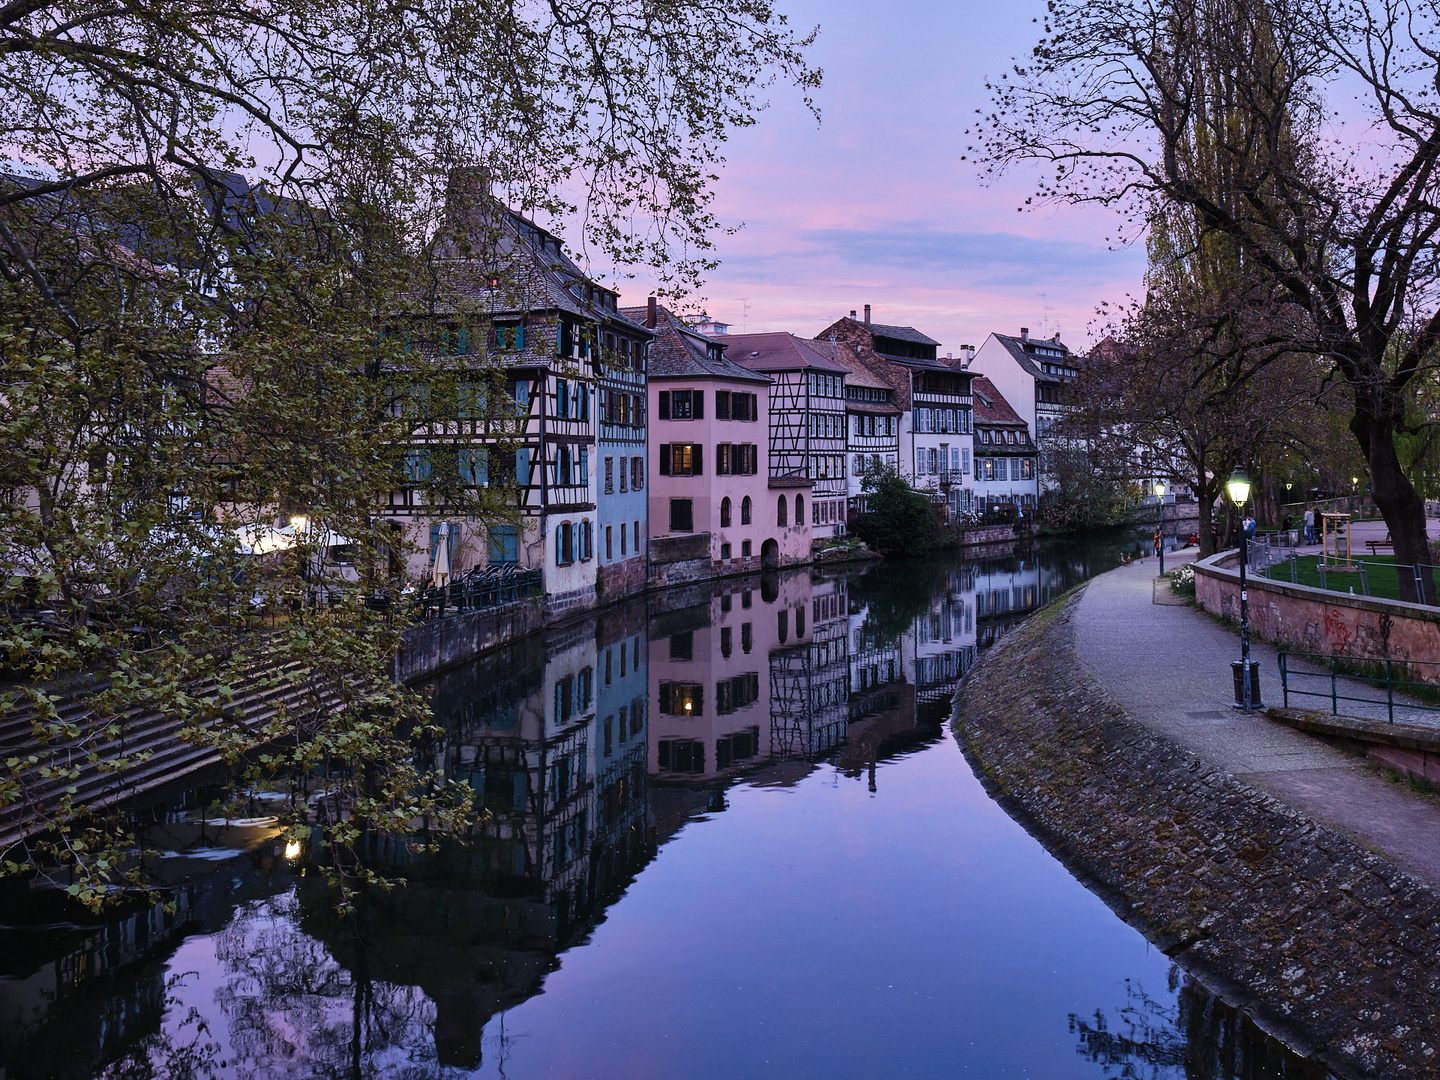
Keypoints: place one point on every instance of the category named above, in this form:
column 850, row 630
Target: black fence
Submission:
column 1384, row 677
column 482, row 587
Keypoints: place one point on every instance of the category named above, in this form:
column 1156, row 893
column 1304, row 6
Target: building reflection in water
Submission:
column 588, row 747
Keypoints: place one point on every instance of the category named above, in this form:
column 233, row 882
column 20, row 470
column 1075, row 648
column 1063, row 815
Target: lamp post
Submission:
column 1160, row 528
column 1239, row 488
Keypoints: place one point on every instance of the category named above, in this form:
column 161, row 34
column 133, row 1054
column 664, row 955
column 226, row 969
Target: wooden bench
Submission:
column 1376, row 545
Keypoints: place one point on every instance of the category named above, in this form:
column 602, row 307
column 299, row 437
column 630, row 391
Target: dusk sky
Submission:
column 874, row 205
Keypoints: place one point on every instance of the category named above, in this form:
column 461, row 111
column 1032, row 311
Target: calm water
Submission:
column 731, row 835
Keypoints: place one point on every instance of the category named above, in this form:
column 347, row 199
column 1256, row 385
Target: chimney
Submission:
column 1056, row 338
column 867, row 314
column 852, row 313
column 650, row 321
column 467, row 207
column 1024, row 333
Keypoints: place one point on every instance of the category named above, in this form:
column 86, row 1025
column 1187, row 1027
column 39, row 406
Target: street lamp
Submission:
column 1239, row 488
column 1160, row 528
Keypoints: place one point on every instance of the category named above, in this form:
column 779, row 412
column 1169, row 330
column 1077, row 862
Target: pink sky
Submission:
column 874, row 205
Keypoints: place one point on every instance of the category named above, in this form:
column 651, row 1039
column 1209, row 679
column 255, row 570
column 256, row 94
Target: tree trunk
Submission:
column 1205, row 505
column 1399, row 503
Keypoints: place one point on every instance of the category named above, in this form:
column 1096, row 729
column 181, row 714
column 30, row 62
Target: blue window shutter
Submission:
column 522, row 466
column 584, row 466
column 522, row 393
column 452, row 541
column 434, row 539
column 519, row 338
column 562, row 398
column 584, row 392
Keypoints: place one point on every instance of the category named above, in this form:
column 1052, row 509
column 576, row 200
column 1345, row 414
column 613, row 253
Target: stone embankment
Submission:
column 1332, row 949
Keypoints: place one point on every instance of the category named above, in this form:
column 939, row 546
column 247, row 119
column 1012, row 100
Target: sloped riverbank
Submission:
column 1333, row 949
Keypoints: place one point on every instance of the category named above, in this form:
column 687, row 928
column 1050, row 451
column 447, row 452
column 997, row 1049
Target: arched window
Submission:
column 725, row 512
column 780, row 504
column 799, row 509
column 744, row 511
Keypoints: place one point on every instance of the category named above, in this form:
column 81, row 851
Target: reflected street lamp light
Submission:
column 1160, row 528
column 1239, row 488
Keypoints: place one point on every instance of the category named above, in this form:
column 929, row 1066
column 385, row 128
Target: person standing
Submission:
column 1309, row 525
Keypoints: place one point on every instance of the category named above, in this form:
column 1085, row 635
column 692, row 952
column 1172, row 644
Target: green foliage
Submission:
column 897, row 519
column 185, row 354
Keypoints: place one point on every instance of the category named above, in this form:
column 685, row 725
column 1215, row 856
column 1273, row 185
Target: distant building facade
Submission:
column 711, row 490
column 1033, row 375
column 1006, row 469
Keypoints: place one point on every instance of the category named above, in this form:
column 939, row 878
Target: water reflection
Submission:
column 591, row 748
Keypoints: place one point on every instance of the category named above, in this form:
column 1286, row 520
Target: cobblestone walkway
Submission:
column 1169, row 668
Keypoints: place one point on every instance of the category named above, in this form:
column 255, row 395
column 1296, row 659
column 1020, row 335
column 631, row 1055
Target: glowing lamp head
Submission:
column 1159, row 489
column 299, row 523
column 292, row 849
column 1239, row 486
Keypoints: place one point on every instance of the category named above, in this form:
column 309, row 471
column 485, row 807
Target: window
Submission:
column 682, row 646
column 919, row 461
column 417, row 466
column 745, row 549
column 1000, row 469
column 747, row 636
column 780, row 512
column 965, row 460
column 726, row 643
column 682, row 515
column 724, row 552
column 587, row 540
column 985, row 469
column 562, row 467
column 799, row 509
column 744, row 406
column 680, row 459
column 609, row 554
column 474, row 465
column 725, row 512
column 931, row 459
column 682, row 699
column 737, row 459
column 564, row 544
column 562, row 399
column 637, row 474
column 815, row 514
column 682, row 404
column 737, row 692
column 622, row 540
column 584, row 469
column 681, row 755
column 509, row 337
column 1027, row 468
column 722, row 404
column 782, row 625
column 504, row 545
column 744, row 513
column 955, row 459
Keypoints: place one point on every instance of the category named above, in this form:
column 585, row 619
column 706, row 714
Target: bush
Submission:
column 897, row 519
column 1182, row 581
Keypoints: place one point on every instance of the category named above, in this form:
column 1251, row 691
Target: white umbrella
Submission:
column 263, row 539
column 440, row 572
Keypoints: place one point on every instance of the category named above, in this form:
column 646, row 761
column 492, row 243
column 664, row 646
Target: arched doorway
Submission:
column 769, row 555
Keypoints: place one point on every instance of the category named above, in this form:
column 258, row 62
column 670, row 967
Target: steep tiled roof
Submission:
column 1023, row 350
column 991, row 406
column 779, row 351
column 679, row 352
column 856, row 373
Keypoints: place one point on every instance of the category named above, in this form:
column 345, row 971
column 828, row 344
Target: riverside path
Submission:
column 1168, row 667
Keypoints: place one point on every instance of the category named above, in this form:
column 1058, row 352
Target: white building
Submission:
column 1032, row 374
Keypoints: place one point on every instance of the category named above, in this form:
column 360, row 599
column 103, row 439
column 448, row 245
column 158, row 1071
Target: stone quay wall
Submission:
column 430, row 646
column 1312, row 620
column 1331, row 949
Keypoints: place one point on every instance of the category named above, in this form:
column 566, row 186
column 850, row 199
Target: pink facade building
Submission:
column 711, row 494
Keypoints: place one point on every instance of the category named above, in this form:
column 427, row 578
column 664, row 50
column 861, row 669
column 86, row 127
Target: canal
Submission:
column 730, row 834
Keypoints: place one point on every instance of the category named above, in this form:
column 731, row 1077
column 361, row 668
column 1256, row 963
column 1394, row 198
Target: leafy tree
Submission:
column 897, row 518
column 1119, row 91
column 186, row 352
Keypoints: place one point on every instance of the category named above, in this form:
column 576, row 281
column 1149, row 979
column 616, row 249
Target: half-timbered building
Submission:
column 712, row 495
column 935, row 399
column 1033, row 374
column 514, row 311
column 807, row 420
column 1005, row 455
column 873, row 422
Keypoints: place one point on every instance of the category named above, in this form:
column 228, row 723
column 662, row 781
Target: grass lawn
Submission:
column 1380, row 577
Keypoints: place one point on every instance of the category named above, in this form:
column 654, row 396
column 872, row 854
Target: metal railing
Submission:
column 482, row 587
column 1338, row 676
column 1357, row 580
